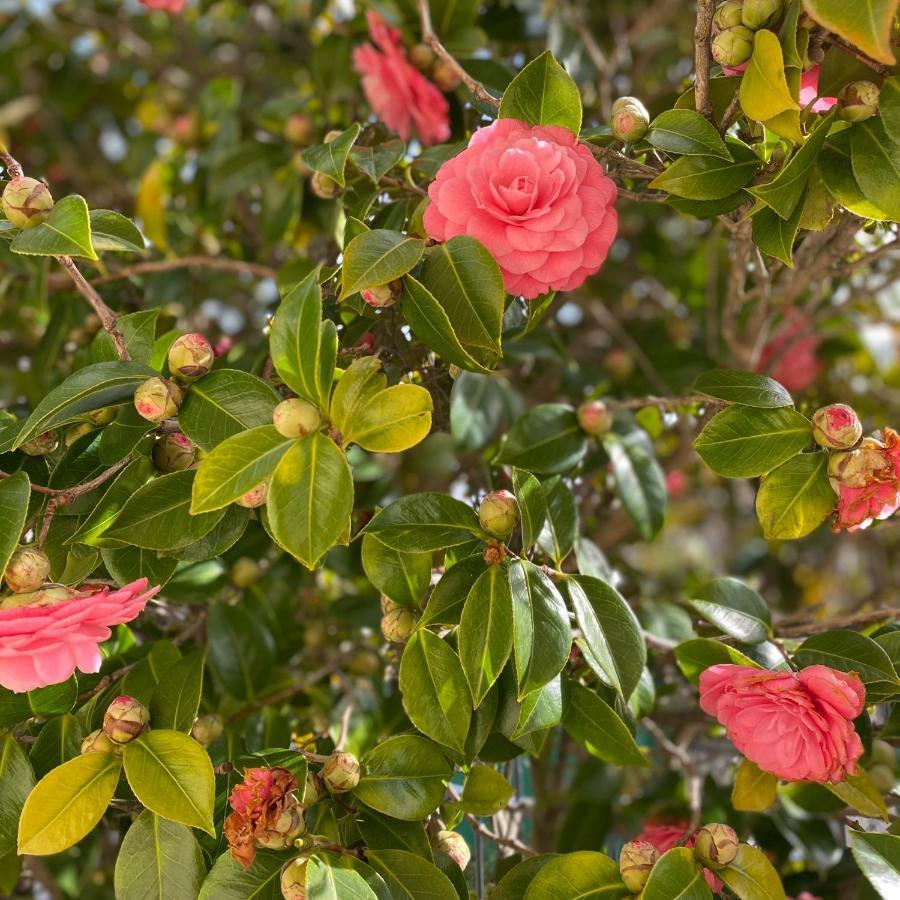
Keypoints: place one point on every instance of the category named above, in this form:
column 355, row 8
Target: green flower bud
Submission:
column 245, row 572
column 27, row 569
column 630, row 120
column 388, row 605
column 299, row 130
column 42, row 444
column 255, row 496
column 499, row 513
column 728, row 14
column 207, row 729
column 384, row 295
column 26, row 202
column 882, row 777
column 422, row 57
column 101, row 416
column 293, row 879
column 859, row 101
column 341, row 772
column 836, row 427
column 733, row 46
column 883, row 754
column 315, row 789
column 98, row 742
column 445, row 76
column 399, row 624
column 173, row 453
column 635, row 863
column 454, row 845
column 158, row 399
column 76, row 431
column 323, row 186
column 595, row 418
column 757, row 14
column 190, row 358
column 124, row 720
column 716, row 845
column 296, row 418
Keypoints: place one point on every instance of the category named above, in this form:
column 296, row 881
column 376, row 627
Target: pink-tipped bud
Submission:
column 41, row 444
column 26, row 202
column 293, row 879
column 190, row 357
column 124, row 720
column 499, row 513
column 255, row 497
column 341, row 772
column 382, row 296
column 494, row 553
column 595, row 418
column 299, row 130
column 27, row 569
column 158, row 399
column 98, row 742
column 454, row 845
column 716, row 845
column 174, row 453
column 836, row 427
column 207, row 729
column 296, row 418
column 630, row 119
column 398, row 624
column 635, row 864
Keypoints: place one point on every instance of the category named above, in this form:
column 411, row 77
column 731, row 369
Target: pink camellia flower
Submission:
column 666, row 835
column 798, row 726
column 790, row 356
column 46, row 635
column 536, row 198
column 171, row 6
column 400, row 95
column 875, row 491
column 809, row 92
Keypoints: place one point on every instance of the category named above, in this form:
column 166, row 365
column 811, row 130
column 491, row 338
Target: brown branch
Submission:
column 706, row 9
column 857, row 620
column 65, row 496
column 881, row 69
column 189, row 262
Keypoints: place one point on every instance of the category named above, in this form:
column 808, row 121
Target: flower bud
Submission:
column 208, row 729
column 101, row 416
column 255, row 496
column 98, row 742
column 41, row 444
column 173, row 453
column 595, row 418
column 37, row 599
column 630, row 119
column 245, row 572
column 363, row 662
column 728, row 14
column 836, row 427
column 293, row 879
column 125, row 718
column 499, row 513
column 733, row 46
column 298, row 130
column 882, row 777
column 157, row 399
column 190, row 357
column 422, row 57
column 26, row 202
column 76, row 431
column 281, row 834
column 384, row 295
column 494, row 553
column 315, row 789
column 399, row 624
column 388, row 605
column 454, row 845
column 716, row 845
column 883, row 754
column 341, row 772
column 296, row 418
column 445, row 76
column 323, row 186
column 27, row 570
column 756, row 14
column 635, row 862
column 859, row 101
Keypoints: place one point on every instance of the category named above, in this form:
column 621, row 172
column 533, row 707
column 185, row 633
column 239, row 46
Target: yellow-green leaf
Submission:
column 860, row 793
column 764, row 89
column 864, row 23
column 395, row 419
column 754, row 790
column 751, row 876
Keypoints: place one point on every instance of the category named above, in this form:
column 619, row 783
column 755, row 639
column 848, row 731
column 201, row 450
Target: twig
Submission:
column 706, row 9
column 878, row 67
column 857, row 620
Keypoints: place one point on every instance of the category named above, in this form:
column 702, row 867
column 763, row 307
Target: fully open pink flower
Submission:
column 535, row 197
column 46, row 635
column 791, row 357
column 798, row 726
column 666, row 835
column 172, row 6
column 809, row 91
column 399, row 94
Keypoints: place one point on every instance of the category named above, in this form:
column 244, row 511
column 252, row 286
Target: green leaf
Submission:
column 742, row 442
column 537, row 711
column 241, row 650
column 876, row 165
column 395, row 419
column 90, row 388
column 434, row 690
column 236, row 466
column 836, row 168
column 377, row 257
column 543, row 93
column 409, row 877
column 865, row 24
column 382, row 832
column 764, row 90
column 849, row 651
column 177, row 697
column 754, row 790
column 612, row 641
column 734, row 608
column 330, row 876
column 445, row 604
column 377, row 161
column 775, row 236
column 687, row 133
column 44, row 702
column 138, row 330
column 515, row 882
column 486, row 631
column 127, row 564
column 66, row 804
column 795, row 498
column 557, row 537
column 597, row 727
column 225, row 403
column 158, row 859
column 310, row 499
column 547, row 440
column 67, row 232
column 425, row 522
column 113, row 231
column 860, row 793
column 542, row 637
column 16, row 782
column 889, row 107
column 331, row 159
column 676, row 875
column 878, row 857
column 486, row 791
column 640, row 481
column 695, row 656
column 751, row 876
column 584, row 874
column 225, row 535
column 59, row 741
column 15, row 493
column 532, row 505
column 708, row 177
column 404, row 777
column 171, row 774
column 743, row 388
column 404, row 577
column 227, row 879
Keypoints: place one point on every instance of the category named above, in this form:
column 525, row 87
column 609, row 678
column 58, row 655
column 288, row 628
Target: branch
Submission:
column 884, row 71
column 706, row 9
column 65, row 496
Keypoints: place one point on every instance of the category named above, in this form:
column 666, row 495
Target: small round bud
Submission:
column 323, row 186
column 42, row 444
column 299, row 130
column 124, row 720
column 733, row 46
column 363, row 663
column 445, row 76
column 255, row 496
column 207, row 729
column 27, row 569
column 716, row 845
column 728, row 14
column 315, row 789
column 383, row 295
column 836, row 427
column 756, row 14
column 494, row 553
column 883, row 778
column 388, row 605
column 190, row 358
column 399, row 624
column 883, row 754
column 26, row 202
column 157, row 399
column 859, row 101
column 422, row 57
column 245, row 572
column 341, row 772
column 630, row 120
column 635, row 862
column 101, row 416
column 499, row 513
column 454, row 845
column 595, row 418
column 74, row 432
column 173, row 453
column 98, row 742
column 293, row 879
column 619, row 364
column 296, row 418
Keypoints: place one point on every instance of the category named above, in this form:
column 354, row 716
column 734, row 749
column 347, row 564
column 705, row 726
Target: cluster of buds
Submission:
column 734, row 24
column 27, row 569
column 158, row 399
column 858, row 101
column 383, row 295
column 207, row 729
column 125, row 719
column 442, row 73
column 26, row 202
column 174, row 453
column 716, row 846
column 498, row 513
column 630, row 119
column 454, row 845
column 255, row 497
column 296, row 418
column 340, row 772
column 397, row 622
column 42, row 444
column 190, row 357
column 595, row 418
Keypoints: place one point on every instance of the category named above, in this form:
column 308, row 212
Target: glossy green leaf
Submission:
column 677, row 874
column 378, row 160
column 547, row 440
column 734, row 608
column 764, row 90
column 425, row 522
column 557, row 537
column 878, row 857
column 585, row 874
column 697, row 655
column 409, row 877
column 241, row 650
column 377, row 257
column 686, row 133
column 67, row 232
column 332, row 876
column 754, row 790
column 836, row 168
column 860, row 793
column 865, row 24
column 543, row 93
column 743, row 388
column 59, row 741
column 15, row 493
column 16, row 782
column 127, row 564
column 640, row 481
column 889, row 107
column 849, row 651
column 113, row 231
column 876, row 165
column 515, row 882
column 404, row 577
column 751, row 876
column 537, row 711
column 532, row 505
column 393, row 420
column 486, row 791
column 775, row 236
column 795, row 498
column 227, row 879
column 707, row 177
column 177, row 697
column 445, row 604
column 597, row 727
column 138, row 331
column 331, row 159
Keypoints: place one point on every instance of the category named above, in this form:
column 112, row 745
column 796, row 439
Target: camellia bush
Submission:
column 447, row 449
